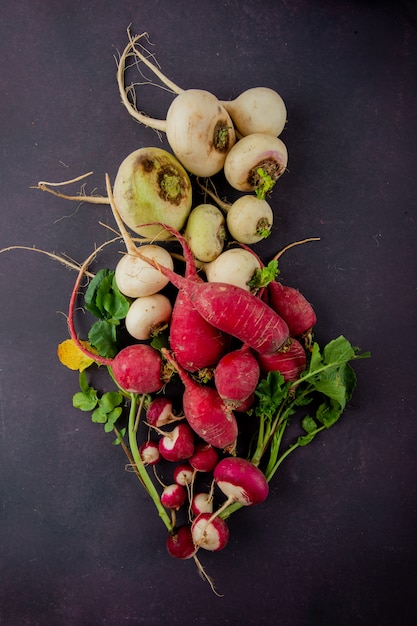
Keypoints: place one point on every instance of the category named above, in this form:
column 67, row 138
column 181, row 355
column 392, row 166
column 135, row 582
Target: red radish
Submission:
column 183, row 474
column 202, row 503
column 240, row 481
column 159, row 412
column 136, row 368
column 204, row 458
column 290, row 362
column 237, row 375
column 293, row 307
column 205, row 411
column 180, row 543
column 173, row 496
column 177, row 444
column 209, row 533
column 243, row 407
column 196, row 343
column 149, row 453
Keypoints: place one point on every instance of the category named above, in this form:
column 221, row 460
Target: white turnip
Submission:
column 148, row 316
column 258, row 110
column 205, row 232
column 235, row 266
column 136, row 278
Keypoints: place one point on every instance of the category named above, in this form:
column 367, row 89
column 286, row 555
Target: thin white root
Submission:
column 205, row 576
column 225, row 206
column 132, row 51
column 81, row 197
column 292, row 245
column 52, row 255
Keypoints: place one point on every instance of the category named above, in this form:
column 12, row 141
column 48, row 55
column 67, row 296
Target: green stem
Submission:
column 145, row 478
column 283, row 456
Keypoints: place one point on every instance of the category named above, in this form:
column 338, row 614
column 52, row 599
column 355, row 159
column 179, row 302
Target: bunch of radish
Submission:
column 210, row 342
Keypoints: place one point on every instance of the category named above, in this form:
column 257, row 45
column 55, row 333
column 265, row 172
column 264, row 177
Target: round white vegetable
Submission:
column 235, row 267
column 148, row 315
column 205, row 232
column 136, row 278
column 249, row 219
column 258, row 110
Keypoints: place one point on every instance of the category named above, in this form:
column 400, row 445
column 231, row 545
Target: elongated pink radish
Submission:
column 241, row 481
column 237, row 375
column 195, row 343
column 136, row 368
column 205, row 411
column 293, row 307
column 290, row 362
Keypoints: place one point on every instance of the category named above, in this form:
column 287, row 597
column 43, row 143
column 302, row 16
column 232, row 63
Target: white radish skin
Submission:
column 202, row 503
column 136, row 278
column 205, row 232
column 251, row 153
column 148, row 316
column 151, row 185
column 199, row 131
column 258, row 110
column 250, row 219
column 235, row 267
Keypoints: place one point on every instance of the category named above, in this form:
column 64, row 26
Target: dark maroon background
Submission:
column 335, row 543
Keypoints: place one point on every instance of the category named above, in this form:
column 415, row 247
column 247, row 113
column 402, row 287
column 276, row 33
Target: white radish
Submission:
column 151, row 185
column 198, row 128
column 255, row 163
column 235, row 266
column 205, row 232
column 148, row 316
column 258, row 110
column 136, row 278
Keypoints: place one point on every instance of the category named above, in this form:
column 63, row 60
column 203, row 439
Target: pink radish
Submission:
column 240, row 481
column 159, row 412
column 178, row 444
column 180, row 543
column 173, row 496
column 204, row 458
column 210, row 533
column 290, row 362
column 183, row 474
column 205, row 411
column 149, row 453
column 237, row 375
column 202, row 503
column 293, row 307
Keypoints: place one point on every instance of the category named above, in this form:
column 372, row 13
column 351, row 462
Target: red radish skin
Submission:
column 293, row 307
column 205, row 411
column 204, row 458
column 243, row 407
column 180, row 544
column 178, row 444
column 195, row 343
column 290, row 362
column 210, row 533
column 173, row 496
column 241, row 481
column 237, row 375
column 159, row 412
column 233, row 310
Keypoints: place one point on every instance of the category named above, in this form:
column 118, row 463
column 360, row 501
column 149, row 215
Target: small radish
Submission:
column 255, row 163
column 173, row 496
column 159, row 412
column 205, row 411
column 136, row 278
column 293, row 307
column 210, row 533
column 235, row 266
column 184, row 474
column 240, row 481
column 290, row 361
column 237, row 375
column 205, row 232
column 204, row 458
column 148, row 316
column 178, row 444
column 202, row 503
column 149, row 453
column 258, row 110
column 180, row 543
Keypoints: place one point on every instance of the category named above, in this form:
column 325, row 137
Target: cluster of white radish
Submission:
column 207, row 136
